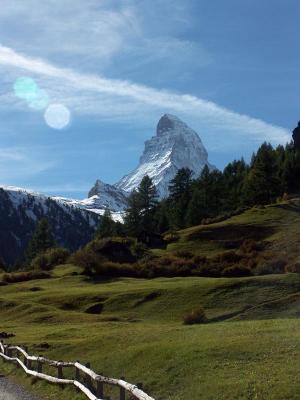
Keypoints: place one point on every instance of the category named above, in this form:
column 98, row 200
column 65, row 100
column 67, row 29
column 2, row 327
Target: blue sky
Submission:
column 229, row 69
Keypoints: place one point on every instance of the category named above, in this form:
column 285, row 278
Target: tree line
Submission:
column 271, row 174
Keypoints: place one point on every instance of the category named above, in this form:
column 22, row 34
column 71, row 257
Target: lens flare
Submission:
column 26, row 88
column 57, row 116
column 41, row 100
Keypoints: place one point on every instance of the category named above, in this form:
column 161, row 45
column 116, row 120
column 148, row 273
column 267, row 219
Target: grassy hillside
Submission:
column 249, row 348
column 277, row 226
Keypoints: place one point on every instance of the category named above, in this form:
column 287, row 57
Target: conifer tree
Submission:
column 132, row 217
column 106, row 226
column 262, row 184
column 139, row 218
column 180, row 189
column 234, row 175
column 41, row 241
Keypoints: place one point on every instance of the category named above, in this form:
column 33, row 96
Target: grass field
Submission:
column 248, row 349
column 278, row 224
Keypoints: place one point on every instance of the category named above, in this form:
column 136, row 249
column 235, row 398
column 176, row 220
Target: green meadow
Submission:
column 248, row 349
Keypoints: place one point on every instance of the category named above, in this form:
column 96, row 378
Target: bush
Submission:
column 237, row 271
column 50, row 258
column 57, row 256
column 228, row 257
column 40, row 262
column 200, row 260
column 184, row 254
column 293, row 267
column 86, row 259
column 171, row 237
column 111, row 269
column 25, row 276
column 116, row 249
column 139, row 250
column 196, row 316
column 270, row 264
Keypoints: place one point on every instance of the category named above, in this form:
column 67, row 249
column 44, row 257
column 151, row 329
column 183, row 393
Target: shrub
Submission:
column 57, row 256
column 40, row 262
column 270, row 264
column 50, row 258
column 200, row 260
column 236, row 271
column 111, row 269
column 196, row 316
column 293, row 267
column 171, row 237
column 116, row 249
column 87, row 259
column 184, row 254
column 25, row 276
column 139, row 250
column 228, row 257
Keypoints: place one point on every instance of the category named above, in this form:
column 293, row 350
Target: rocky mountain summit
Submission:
column 175, row 146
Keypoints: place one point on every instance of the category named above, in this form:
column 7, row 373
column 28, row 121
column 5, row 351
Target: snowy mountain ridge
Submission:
column 174, row 146
column 21, row 209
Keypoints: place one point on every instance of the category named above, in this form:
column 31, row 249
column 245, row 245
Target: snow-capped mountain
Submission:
column 175, row 146
column 96, row 204
column 21, row 209
column 104, row 195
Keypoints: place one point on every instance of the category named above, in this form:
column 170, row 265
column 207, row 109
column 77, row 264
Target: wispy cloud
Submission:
column 87, row 92
column 16, row 162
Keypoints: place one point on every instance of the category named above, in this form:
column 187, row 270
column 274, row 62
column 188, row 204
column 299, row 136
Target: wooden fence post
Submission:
column 39, row 366
column 77, row 373
column 99, row 388
column 88, row 380
column 25, row 359
column 122, row 390
column 59, row 371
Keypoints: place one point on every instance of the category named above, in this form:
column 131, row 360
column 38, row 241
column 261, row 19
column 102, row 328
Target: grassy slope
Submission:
column 278, row 224
column 250, row 349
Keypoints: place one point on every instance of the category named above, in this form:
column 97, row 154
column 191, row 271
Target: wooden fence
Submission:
column 84, row 379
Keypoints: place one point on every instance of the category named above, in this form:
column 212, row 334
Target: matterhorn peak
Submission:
column 175, row 146
column 168, row 123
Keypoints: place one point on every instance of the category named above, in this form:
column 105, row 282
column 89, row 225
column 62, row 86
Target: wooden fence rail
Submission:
column 85, row 380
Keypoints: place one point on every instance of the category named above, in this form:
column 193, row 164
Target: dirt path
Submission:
column 11, row 391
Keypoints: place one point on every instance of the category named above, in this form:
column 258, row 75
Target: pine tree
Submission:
column 41, row 241
column 262, row 184
column 291, row 170
column 106, row 226
column 139, row 218
column 234, row 175
column 180, row 189
column 147, row 195
column 132, row 219
column 197, row 209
